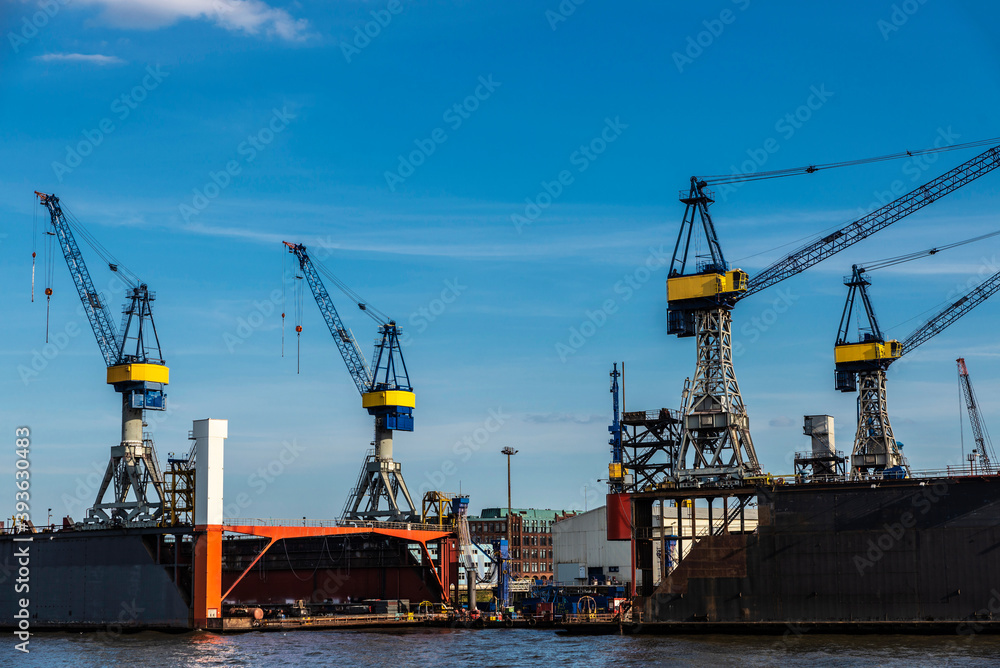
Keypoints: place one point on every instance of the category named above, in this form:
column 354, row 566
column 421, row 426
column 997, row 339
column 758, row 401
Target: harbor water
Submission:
column 501, row 647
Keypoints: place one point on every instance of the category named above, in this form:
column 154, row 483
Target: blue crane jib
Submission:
column 135, row 366
column 385, row 388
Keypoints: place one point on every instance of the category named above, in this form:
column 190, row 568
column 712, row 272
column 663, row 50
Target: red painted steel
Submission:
column 619, row 516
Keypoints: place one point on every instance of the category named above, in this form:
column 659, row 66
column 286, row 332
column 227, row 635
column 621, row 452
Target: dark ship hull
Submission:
column 123, row 580
column 892, row 555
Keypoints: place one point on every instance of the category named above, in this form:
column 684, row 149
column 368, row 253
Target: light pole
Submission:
column 509, row 451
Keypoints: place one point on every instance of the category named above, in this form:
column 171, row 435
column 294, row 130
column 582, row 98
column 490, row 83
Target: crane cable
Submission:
column 49, row 274
column 298, row 296
column 988, row 453
column 721, row 179
column 113, row 263
column 34, row 245
column 908, row 257
column 889, row 262
column 283, row 254
column 372, row 312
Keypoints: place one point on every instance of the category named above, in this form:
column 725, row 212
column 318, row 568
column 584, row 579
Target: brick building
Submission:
column 531, row 537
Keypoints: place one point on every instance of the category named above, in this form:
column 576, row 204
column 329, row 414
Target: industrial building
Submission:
column 583, row 554
column 530, row 537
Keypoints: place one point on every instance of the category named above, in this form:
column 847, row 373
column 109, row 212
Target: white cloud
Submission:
column 92, row 58
column 252, row 17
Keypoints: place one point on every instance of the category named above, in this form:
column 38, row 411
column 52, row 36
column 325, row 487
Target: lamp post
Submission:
column 509, row 451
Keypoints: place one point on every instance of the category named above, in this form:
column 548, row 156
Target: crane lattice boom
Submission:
column 879, row 219
column 348, row 346
column 949, row 315
column 93, row 306
column 975, row 420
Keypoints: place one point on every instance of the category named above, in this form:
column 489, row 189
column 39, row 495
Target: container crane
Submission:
column 135, row 368
column 984, row 446
column 386, row 394
column 861, row 366
column 702, row 292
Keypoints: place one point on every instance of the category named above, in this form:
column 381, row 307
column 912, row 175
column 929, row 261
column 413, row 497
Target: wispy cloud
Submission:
column 251, row 17
column 91, row 58
column 559, row 418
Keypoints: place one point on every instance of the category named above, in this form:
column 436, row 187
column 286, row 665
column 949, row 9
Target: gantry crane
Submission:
column 136, row 370
column 702, row 292
column 984, row 447
column 861, row 366
column 387, row 395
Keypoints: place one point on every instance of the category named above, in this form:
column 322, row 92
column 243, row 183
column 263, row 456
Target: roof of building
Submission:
column 527, row 513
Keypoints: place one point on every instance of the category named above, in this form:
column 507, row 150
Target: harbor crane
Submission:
column 861, row 366
column 617, row 475
column 702, row 292
column 386, row 393
column 135, row 368
column 984, row 446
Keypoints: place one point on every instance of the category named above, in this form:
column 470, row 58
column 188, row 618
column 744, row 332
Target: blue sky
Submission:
column 214, row 129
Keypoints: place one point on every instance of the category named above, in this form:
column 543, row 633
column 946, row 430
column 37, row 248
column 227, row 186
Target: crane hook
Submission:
column 298, row 348
column 48, row 301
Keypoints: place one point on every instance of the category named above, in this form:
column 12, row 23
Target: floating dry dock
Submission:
column 910, row 555
column 189, row 575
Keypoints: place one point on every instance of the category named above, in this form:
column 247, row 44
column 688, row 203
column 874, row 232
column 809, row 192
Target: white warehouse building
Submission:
column 582, row 553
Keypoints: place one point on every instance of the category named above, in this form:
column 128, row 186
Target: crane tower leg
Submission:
column 875, row 447
column 132, row 468
column 716, row 428
column 381, row 481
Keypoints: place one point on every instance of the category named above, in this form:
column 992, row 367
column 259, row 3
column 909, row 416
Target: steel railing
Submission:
column 333, row 524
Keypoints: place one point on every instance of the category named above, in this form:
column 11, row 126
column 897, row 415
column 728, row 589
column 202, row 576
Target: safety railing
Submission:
column 333, row 524
column 591, row 618
column 350, row 620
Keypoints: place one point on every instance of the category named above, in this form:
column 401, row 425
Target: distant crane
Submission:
column 616, row 469
column 136, row 370
column 861, row 366
column 386, row 393
column 702, row 292
column 984, row 446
